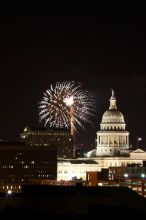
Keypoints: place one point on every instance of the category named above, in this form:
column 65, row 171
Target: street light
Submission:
column 138, row 140
column 143, row 175
column 9, row 193
column 125, row 175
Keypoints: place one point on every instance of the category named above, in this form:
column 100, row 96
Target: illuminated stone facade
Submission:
column 68, row 169
column 112, row 139
column 77, row 168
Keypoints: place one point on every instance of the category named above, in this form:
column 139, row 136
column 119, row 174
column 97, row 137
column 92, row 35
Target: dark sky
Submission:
column 103, row 51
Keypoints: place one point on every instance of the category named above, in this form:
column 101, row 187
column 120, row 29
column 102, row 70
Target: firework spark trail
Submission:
column 55, row 107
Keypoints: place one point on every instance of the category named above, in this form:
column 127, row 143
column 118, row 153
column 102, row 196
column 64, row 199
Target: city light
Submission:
column 138, row 140
column 9, row 192
column 125, row 175
column 142, row 175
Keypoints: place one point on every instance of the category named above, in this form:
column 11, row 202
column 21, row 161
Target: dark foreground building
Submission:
column 73, row 202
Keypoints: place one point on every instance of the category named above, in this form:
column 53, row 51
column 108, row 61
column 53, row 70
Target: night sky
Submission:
column 103, row 51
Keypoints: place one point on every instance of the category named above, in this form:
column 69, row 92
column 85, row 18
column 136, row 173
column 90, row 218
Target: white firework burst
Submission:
column 66, row 105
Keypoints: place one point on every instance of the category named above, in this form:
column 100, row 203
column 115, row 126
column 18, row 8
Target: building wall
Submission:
column 21, row 162
column 13, row 187
column 118, row 173
column 112, row 142
column 68, row 170
column 138, row 154
column 43, row 137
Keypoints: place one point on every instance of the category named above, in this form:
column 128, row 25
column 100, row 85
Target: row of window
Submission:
column 43, row 175
column 105, row 150
column 48, row 134
column 73, row 172
column 11, row 167
column 121, row 139
column 25, row 167
column 112, row 128
column 11, row 187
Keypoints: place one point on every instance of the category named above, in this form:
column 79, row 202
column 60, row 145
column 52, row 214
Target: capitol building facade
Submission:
column 112, row 149
column 112, row 139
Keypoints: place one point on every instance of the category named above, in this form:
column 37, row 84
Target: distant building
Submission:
column 61, row 138
column 68, row 169
column 75, row 169
column 120, row 173
column 20, row 162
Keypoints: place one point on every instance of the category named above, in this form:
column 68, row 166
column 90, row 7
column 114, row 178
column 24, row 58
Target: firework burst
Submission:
column 66, row 105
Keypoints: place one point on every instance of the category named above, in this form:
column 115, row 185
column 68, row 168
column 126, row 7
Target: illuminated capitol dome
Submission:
column 112, row 139
column 112, row 149
column 113, row 118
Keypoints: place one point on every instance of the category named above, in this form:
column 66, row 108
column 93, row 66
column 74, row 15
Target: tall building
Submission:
column 61, row 138
column 21, row 162
column 112, row 139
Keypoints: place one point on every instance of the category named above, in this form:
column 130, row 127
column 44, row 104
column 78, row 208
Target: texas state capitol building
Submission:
column 112, row 148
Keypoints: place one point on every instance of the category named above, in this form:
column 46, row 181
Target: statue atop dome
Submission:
column 113, row 95
column 113, row 101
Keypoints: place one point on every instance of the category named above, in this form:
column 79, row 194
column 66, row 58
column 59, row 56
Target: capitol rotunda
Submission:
column 112, row 139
